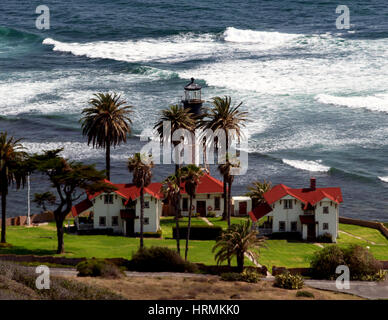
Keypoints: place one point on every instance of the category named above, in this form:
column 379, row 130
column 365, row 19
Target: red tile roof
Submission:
column 260, row 211
column 306, row 195
column 81, row 207
column 207, row 184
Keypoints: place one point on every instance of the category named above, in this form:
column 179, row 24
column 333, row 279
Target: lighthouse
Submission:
column 192, row 98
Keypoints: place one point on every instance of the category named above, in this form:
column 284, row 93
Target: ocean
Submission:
column 316, row 95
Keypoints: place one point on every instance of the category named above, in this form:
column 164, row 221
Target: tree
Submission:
column 70, row 180
column 171, row 191
column 106, row 123
column 236, row 241
column 191, row 176
column 226, row 117
column 256, row 191
column 179, row 118
column 12, row 172
column 44, row 199
column 141, row 167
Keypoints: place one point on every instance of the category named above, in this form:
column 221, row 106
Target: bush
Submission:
column 325, row 262
column 211, row 214
column 98, row 268
column 325, row 238
column 289, row 281
column 157, row 234
column 246, row 276
column 362, row 265
column 159, row 259
column 199, row 232
column 305, row 294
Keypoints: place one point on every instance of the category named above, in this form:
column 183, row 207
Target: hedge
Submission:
column 286, row 236
column 199, row 232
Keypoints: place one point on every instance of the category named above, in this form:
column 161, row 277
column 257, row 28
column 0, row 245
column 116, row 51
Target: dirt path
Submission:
column 207, row 221
column 357, row 237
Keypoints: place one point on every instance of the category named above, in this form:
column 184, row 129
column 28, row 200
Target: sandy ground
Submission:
column 167, row 288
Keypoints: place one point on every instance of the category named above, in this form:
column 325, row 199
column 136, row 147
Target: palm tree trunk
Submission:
column 188, row 228
column 229, row 201
column 240, row 262
column 3, row 215
column 59, row 224
column 141, row 217
column 177, row 228
column 224, row 214
column 4, row 190
column 107, row 159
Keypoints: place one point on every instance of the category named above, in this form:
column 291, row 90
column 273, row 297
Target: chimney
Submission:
column 313, row 183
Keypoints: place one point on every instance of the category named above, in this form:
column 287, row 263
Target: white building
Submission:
column 120, row 210
column 310, row 211
column 208, row 197
column 241, row 205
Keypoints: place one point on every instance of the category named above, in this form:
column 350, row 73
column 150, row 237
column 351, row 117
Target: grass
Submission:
column 42, row 241
column 167, row 223
column 224, row 223
column 368, row 234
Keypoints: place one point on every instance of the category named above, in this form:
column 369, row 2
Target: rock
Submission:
column 235, row 296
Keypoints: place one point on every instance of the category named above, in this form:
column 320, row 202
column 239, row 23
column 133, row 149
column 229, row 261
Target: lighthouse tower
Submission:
column 192, row 98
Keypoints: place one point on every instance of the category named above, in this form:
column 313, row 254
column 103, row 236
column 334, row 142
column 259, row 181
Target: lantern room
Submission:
column 192, row 98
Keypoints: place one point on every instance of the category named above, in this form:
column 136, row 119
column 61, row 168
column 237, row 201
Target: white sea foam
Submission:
column 377, row 102
column 78, row 150
column 251, row 36
column 384, row 179
column 314, row 166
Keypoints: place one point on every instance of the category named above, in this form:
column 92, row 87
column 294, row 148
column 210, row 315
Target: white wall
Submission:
column 209, row 202
column 289, row 215
column 236, row 204
column 101, row 209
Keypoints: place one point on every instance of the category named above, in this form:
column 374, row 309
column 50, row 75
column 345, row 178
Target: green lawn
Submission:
column 42, row 241
column 224, row 224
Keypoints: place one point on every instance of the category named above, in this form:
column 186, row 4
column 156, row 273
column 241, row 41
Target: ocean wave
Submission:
column 251, row 36
column 308, row 165
column 384, row 179
column 377, row 102
column 14, row 34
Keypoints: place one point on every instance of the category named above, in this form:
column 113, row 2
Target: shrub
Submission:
column 199, row 232
column 211, row 214
column 362, row 265
column 98, row 268
column 289, row 281
column 159, row 259
column 157, row 234
column 305, row 294
column 246, row 276
column 325, row 262
column 325, row 238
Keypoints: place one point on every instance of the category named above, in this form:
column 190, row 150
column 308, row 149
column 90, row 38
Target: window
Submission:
column 282, row 226
column 146, row 204
column 294, row 226
column 287, row 204
column 325, row 226
column 146, row 220
column 325, row 209
column 115, row 221
column 108, row 198
column 217, row 203
column 185, row 205
column 102, row 221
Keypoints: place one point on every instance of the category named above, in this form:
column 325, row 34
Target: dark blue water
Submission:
column 317, row 97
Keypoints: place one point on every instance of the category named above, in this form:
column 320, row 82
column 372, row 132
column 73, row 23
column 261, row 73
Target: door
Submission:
column 130, row 227
column 242, row 208
column 201, row 208
column 310, row 232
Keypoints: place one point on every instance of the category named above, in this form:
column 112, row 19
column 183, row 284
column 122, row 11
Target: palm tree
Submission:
column 141, row 167
column 191, row 176
column 179, row 118
column 236, row 241
column 12, row 171
column 256, row 191
column 171, row 191
column 106, row 123
column 226, row 117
